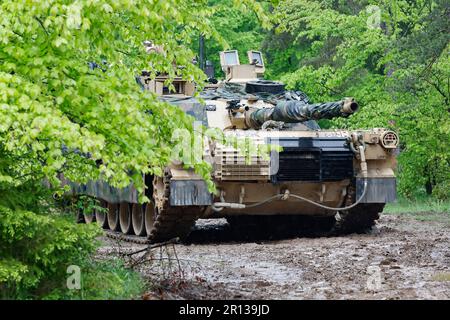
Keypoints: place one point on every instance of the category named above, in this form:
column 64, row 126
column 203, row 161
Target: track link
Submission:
column 167, row 222
column 358, row 219
column 170, row 222
column 127, row 238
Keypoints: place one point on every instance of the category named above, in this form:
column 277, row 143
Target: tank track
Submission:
column 126, row 237
column 168, row 222
column 358, row 219
column 173, row 223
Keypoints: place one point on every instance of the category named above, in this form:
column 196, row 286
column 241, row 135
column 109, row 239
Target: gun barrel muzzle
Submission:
column 350, row 106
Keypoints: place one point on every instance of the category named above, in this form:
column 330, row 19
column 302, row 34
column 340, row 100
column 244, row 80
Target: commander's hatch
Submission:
column 241, row 73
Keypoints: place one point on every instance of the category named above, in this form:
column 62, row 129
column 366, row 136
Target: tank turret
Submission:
column 299, row 111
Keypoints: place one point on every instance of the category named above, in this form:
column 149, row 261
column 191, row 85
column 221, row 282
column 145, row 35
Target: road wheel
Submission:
column 150, row 215
column 138, row 219
column 113, row 216
column 89, row 217
column 125, row 218
column 100, row 215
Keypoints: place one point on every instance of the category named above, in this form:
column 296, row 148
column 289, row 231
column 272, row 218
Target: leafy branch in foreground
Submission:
column 55, row 110
column 58, row 115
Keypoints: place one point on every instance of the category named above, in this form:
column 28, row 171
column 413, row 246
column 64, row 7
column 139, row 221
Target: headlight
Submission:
column 389, row 140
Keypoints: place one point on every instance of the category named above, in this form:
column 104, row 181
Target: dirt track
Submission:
column 401, row 258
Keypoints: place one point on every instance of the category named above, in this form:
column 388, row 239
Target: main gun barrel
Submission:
column 298, row 111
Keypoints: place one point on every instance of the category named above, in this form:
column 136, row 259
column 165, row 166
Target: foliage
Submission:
column 36, row 249
column 58, row 115
column 421, row 208
column 80, row 203
column 102, row 280
column 240, row 27
column 69, row 106
column 422, row 204
column 392, row 56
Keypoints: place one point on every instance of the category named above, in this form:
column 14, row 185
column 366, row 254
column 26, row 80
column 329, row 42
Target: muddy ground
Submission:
column 401, row 258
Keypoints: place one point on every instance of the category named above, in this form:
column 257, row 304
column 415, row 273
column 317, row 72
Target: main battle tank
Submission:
column 343, row 177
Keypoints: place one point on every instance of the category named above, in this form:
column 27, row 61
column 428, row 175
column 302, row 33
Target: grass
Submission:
column 441, row 277
column 104, row 280
column 422, row 208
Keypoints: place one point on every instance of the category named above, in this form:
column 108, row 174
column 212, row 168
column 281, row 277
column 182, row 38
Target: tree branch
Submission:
column 124, row 52
column 16, row 33
column 156, row 245
column 42, row 24
column 438, row 89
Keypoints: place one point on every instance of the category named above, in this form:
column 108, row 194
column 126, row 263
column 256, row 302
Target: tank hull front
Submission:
column 331, row 194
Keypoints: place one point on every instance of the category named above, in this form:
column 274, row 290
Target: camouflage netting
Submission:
column 236, row 91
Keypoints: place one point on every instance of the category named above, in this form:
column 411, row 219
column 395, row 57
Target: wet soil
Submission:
column 400, row 258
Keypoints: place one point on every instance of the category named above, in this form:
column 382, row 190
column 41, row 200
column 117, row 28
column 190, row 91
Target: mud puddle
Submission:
column 401, row 258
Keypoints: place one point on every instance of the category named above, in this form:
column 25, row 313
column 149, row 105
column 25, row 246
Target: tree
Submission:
column 240, row 27
column 391, row 56
column 56, row 110
column 59, row 116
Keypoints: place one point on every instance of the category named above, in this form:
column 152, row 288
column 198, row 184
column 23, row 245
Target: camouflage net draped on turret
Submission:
column 236, row 91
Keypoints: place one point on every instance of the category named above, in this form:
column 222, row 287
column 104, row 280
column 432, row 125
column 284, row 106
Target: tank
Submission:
column 271, row 163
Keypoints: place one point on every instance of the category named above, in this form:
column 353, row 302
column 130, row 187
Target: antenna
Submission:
column 201, row 52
